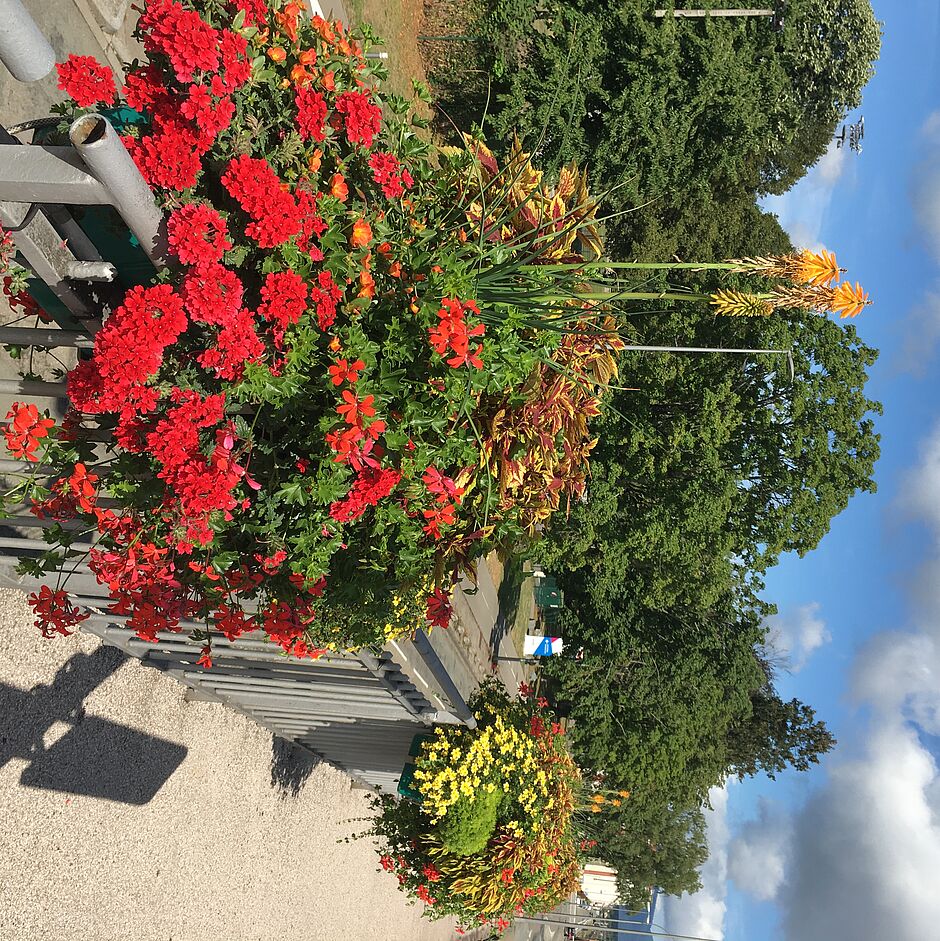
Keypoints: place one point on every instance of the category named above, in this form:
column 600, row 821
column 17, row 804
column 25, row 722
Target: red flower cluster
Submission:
column 354, row 410
column 190, row 43
column 387, row 171
column 439, row 610
column 145, row 90
column 344, row 371
column 452, row 333
column 200, row 484
column 325, row 296
column 424, row 893
column 312, row 224
column 437, row 517
column 55, row 613
column 445, row 490
column 283, row 300
column 311, row 113
column 237, row 343
column 361, row 115
column 257, row 189
column 197, row 234
column 212, row 293
column 211, row 114
column 170, row 157
column 86, row 80
column 24, row 433
column 128, row 351
column 356, row 446
column 371, row 486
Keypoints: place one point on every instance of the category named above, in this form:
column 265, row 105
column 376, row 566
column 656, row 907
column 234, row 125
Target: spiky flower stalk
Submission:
column 740, row 304
column 805, row 267
column 846, row 300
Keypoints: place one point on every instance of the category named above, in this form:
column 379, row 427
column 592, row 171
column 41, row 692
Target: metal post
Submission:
column 52, row 390
column 41, row 246
column 24, row 50
column 50, row 338
column 439, row 671
column 107, row 158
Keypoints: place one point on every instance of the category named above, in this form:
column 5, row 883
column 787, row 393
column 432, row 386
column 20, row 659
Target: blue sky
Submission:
column 851, row 850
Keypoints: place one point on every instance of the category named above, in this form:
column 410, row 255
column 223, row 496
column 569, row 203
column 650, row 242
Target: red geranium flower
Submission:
column 23, row 434
column 55, row 613
column 344, row 371
column 311, row 114
column 354, row 410
column 197, row 234
column 86, row 80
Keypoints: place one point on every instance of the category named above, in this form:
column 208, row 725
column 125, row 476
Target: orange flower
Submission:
column 367, row 284
column 277, row 54
column 361, row 234
column 287, row 20
column 849, row 301
column 328, row 81
column 316, row 158
column 817, row 267
column 385, row 248
column 340, row 190
column 307, row 57
column 335, row 345
column 300, row 76
column 394, row 269
column 324, row 29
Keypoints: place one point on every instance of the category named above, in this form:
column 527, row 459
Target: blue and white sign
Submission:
column 537, row 646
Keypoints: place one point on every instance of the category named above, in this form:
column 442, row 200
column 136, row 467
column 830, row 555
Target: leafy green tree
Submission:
column 777, row 735
column 653, row 846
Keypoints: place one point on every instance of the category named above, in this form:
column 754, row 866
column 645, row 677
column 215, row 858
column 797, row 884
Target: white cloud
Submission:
column 899, row 674
column 802, row 210
column 758, row 854
column 702, row 914
column 921, row 333
column 798, row 634
column 920, row 495
column 831, row 164
column 925, row 184
column 867, row 848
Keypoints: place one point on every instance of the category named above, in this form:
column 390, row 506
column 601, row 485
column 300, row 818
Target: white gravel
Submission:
column 217, row 853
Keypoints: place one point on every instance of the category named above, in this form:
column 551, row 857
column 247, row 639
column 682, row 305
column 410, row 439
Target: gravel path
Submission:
column 127, row 812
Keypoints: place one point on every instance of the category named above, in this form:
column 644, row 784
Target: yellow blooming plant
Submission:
column 494, row 833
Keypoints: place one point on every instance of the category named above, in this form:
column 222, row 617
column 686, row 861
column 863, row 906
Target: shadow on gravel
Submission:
column 94, row 757
column 291, row 765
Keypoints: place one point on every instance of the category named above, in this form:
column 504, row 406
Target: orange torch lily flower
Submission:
column 817, row 268
column 849, row 301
